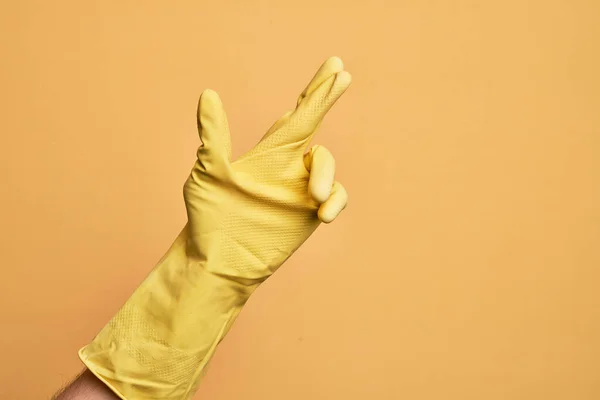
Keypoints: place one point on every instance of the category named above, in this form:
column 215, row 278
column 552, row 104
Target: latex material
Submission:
column 245, row 218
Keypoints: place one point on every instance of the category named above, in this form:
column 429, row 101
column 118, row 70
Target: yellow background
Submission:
column 466, row 265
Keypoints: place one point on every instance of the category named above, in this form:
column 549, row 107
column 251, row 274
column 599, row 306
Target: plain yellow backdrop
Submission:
column 466, row 265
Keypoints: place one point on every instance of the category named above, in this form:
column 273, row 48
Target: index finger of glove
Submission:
column 302, row 123
column 330, row 67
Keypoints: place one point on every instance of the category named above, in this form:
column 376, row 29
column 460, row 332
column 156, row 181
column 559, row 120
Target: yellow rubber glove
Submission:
column 245, row 218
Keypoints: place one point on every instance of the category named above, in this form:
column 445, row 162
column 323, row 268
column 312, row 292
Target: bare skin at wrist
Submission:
column 85, row 387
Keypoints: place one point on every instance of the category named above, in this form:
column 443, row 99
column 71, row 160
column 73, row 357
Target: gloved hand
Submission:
column 245, row 218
